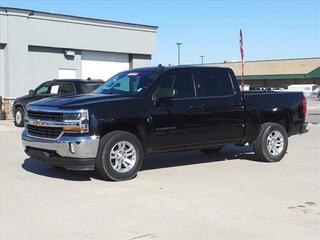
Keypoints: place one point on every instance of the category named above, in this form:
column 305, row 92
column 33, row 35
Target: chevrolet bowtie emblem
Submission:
column 36, row 123
column 39, row 123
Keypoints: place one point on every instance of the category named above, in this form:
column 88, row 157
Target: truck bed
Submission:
column 283, row 107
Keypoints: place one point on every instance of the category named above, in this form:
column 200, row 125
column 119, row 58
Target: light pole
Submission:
column 178, row 44
column 202, row 57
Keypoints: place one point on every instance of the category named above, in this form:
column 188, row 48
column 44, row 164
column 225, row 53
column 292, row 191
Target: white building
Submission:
column 38, row 46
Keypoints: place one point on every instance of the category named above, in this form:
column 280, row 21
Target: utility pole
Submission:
column 202, row 57
column 178, row 44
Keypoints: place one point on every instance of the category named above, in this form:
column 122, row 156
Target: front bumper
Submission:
column 71, row 152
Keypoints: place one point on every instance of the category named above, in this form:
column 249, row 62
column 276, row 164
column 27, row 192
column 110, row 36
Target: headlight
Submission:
column 71, row 116
column 76, row 122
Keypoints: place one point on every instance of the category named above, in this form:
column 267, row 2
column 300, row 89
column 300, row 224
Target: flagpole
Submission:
column 242, row 79
column 242, row 60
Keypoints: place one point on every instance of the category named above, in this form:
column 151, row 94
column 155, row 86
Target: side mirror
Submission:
column 32, row 92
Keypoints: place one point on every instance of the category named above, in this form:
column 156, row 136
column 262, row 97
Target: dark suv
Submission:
column 49, row 89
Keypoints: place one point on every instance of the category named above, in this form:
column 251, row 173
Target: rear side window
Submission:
column 215, row 83
column 179, row 81
column 90, row 87
column 66, row 88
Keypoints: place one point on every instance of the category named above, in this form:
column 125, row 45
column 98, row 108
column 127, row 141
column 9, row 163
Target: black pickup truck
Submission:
column 160, row 109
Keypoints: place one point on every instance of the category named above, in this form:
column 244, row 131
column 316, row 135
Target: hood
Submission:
column 77, row 101
column 25, row 97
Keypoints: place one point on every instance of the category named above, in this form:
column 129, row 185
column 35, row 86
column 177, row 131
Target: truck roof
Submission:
column 165, row 68
column 78, row 80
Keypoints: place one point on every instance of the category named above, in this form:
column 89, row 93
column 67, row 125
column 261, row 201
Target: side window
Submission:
column 54, row 89
column 215, row 83
column 66, row 88
column 179, row 82
column 44, row 89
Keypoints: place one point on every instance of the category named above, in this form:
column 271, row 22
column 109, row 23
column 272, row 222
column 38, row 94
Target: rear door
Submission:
column 223, row 115
column 177, row 120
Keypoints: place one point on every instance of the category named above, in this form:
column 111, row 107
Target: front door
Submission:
column 177, row 118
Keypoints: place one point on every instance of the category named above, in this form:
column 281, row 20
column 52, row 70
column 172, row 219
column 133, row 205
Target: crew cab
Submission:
column 49, row 89
column 160, row 109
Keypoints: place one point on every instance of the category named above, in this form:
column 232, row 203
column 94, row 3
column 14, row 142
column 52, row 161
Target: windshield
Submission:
column 130, row 82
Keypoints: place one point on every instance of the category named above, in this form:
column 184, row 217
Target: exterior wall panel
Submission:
column 89, row 37
column 44, row 64
column 17, row 57
column 3, row 29
column 2, row 70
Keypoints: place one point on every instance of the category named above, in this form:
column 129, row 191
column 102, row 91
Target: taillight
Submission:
column 304, row 106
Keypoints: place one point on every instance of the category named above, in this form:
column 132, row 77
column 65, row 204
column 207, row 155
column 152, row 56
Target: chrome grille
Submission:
column 44, row 132
column 50, row 116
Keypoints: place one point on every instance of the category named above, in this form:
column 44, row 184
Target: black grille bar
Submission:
column 51, row 116
column 44, row 132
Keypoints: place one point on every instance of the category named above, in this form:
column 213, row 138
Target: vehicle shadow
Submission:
column 167, row 160
column 37, row 167
column 157, row 161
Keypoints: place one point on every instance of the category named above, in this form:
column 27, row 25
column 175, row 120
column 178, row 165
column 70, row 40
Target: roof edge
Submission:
column 33, row 12
column 315, row 73
column 280, row 76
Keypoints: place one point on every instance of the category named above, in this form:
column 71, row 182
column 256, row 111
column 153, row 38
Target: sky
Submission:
column 271, row 29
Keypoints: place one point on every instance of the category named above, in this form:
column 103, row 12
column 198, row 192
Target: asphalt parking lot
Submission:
column 187, row 195
column 313, row 115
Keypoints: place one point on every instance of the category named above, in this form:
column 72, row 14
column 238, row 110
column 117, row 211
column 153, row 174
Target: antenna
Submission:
column 159, row 67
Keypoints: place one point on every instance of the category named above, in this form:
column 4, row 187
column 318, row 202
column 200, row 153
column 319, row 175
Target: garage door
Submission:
column 100, row 65
column 66, row 73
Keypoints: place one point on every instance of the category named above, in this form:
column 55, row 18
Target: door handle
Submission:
column 238, row 105
column 194, row 107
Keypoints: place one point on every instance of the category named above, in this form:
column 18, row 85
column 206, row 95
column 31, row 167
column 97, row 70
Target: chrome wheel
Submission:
column 123, row 156
column 18, row 117
column 275, row 143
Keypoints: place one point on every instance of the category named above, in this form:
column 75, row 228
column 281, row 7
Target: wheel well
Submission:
column 17, row 106
column 283, row 121
column 138, row 131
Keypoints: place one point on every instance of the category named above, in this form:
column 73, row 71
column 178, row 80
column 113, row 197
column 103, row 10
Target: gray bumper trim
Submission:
column 85, row 146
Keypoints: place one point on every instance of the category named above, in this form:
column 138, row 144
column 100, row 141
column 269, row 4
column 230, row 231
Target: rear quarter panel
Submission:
column 281, row 107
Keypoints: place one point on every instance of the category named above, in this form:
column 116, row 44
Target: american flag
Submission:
column 242, row 59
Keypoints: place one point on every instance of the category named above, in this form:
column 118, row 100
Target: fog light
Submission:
column 72, row 148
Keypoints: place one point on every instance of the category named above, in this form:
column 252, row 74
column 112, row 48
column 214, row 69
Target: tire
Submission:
column 211, row 150
column 19, row 117
column 114, row 155
column 272, row 142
